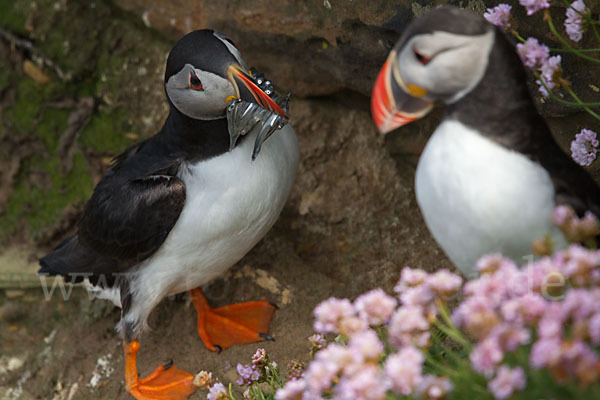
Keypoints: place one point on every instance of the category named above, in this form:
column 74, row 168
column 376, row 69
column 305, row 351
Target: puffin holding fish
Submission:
column 180, row 208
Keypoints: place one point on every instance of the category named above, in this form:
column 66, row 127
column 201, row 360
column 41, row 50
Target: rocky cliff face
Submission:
column 81, row 81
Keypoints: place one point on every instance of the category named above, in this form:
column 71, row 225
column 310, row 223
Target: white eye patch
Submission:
column 205, row 104
column 456, row 63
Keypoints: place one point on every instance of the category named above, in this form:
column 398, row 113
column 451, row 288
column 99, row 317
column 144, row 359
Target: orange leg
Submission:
column 165, row 383
column 223, row 327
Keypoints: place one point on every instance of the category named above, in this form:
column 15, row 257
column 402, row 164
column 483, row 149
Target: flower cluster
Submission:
column 259, row 370
column 217, row 392
column 533, row 6
column 555, row 300
column 584, row 147
column 247, row 374
column 536, row 56
column 574, row 20
column 499, row 16
column 547, row 68
column 547, row 313
column 354, row 369
column 575, row 229
column 528, row 332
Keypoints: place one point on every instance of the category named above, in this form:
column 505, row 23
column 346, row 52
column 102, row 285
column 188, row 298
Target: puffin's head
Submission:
column 440, row 57
column 205, row 71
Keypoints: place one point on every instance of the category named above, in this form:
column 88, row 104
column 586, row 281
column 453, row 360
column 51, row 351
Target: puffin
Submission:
column 491, row 174
column 181, row 207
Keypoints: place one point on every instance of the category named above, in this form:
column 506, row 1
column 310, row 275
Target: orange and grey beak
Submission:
column 249, row 91
column 394, row 103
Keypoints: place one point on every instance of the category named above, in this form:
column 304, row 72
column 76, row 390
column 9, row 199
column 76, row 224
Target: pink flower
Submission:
column 247, row 374
column 351, row 326
column 533, row 6
column 489, row 286
column 421, row 296
column 533, row 54
column 295, row 369
column 579, row 304
column 499, row 15
column 319, row 376
column 509, row 337
column 562, row 215
column 260, row 358
column 408, row 326
column 490, row 263
column 549, row 73
column 574, row 20
column 444, row 282
column 375, row 307
column 545, row 277
column 551, row 324
column 403, row 370
column 330, row 312
column 594, row 329
column 367, row 344
column 507, row 381
column 339, row 358
column 365, row 384
column 316, row 342
column 292, row 390
column 217, row 392
column 545, row 352
column 524, row 309
column 588, row 226
column 486, row 356
column 409, row 278
column 434, row 387
column 585, row 147
column 476, row 315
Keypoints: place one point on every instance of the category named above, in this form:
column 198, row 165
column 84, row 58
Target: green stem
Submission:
column 586, row 15
column 596, row 32
column 277, row 377
column 454, row 334
column 231, row 397
column 565, row 43
column 577, row 103
column 450, row 330
column 440, row 367
column 578, row 100
column 559, row 50
column 519, row 37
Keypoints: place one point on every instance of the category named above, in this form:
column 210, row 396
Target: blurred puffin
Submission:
column 491, row 173
column 180, row 208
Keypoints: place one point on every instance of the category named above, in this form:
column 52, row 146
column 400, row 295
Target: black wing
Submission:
column 129, row 216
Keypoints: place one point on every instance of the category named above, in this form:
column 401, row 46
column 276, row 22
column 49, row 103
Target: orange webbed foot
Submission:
column 222, row 327
column 165, row 383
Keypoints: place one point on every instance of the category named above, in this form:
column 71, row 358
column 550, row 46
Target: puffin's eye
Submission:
column 231, row 41
column 423, row 59
column 195, row 82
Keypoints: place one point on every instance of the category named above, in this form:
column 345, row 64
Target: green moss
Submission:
column 52, row 125
column 101, row 48
column 106, row 132
column 38, row 207
column 30, row 96
column 13, row 15
column 23, row 114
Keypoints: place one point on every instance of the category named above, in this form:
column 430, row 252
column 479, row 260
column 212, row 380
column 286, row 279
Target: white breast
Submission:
column 231, row 203
column 478, row 197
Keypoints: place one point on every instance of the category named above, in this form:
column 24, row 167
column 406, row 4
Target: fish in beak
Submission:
column 395, row 103
column 252, row 106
